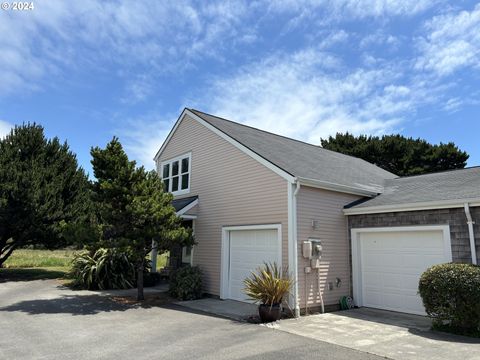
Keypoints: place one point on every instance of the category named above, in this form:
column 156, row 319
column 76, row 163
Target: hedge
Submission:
column 451, row 296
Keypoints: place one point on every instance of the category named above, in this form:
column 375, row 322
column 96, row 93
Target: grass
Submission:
column 161, row 261
column 27, row 264
column 24, row 258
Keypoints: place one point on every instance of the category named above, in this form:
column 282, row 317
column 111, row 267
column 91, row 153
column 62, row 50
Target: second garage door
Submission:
column 390, row 264
column 248, row 250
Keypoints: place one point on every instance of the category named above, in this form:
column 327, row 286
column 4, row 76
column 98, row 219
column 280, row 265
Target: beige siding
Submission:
column 326, row 208
column 233, row 189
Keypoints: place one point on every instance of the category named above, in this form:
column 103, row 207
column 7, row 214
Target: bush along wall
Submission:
column 451, row 296
column 186, row 283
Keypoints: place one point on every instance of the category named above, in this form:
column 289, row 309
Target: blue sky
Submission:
column 88, row 70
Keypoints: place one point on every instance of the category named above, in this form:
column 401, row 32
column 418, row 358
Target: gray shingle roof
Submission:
column 441, row 186
column 301, row 159
column 179, row 204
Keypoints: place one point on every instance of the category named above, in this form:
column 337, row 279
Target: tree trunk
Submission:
column 140, row 295
column 5, row 252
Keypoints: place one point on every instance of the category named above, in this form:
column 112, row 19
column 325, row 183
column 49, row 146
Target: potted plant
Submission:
column 268, row 285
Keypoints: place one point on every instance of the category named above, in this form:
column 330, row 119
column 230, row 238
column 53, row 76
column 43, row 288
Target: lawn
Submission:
column 23, row 258
column 25, row 264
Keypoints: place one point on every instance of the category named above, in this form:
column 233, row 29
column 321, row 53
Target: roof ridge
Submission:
column 437, row 172
column 289, row 138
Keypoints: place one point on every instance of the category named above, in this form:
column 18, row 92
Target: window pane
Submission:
column 166, row 171
column 184, row 165
column 184, row 181
column 175, row 168
column 174, row 183
column 166, row 182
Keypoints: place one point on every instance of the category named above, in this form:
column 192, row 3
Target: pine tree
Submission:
column 42, row 191
column 398, row 154
column 133, row 209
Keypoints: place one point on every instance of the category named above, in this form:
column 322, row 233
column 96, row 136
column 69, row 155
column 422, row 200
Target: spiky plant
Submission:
column 105, row 269
column 268, row 285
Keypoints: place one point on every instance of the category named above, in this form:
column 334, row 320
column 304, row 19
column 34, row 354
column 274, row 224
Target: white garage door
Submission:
column 391, row 264
column 249, row 249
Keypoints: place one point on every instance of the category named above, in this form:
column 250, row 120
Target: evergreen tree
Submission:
column 132, row 208
column 398, row 154
column 42, row 191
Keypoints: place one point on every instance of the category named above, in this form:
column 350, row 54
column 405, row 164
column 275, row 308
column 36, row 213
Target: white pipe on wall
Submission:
column 471, row 234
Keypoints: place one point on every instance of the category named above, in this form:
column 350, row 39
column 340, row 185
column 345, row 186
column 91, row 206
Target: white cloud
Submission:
column 452, row 43
column 306, row 95
column 359, row 9
column 162, row 36
column 138, row 89
column 300, row 96
column 5, row 128
column 143, row 136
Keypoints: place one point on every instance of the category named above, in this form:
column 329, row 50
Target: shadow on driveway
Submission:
column 30, row 274
column 68, row 304
column 415, row 324
column 447, row 337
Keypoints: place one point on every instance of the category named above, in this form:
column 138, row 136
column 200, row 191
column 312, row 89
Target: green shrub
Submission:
column 105, row 269
column 450, row 294
column 186, row 283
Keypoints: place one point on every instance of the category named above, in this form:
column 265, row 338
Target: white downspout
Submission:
column 294, row 248
column 470, row 223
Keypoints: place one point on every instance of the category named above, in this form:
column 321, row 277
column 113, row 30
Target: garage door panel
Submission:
column 249, row 249
column 391, row 264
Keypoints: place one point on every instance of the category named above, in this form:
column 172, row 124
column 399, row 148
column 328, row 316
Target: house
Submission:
column 252, row 196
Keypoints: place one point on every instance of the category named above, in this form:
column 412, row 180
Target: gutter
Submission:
column 471, row 234
column 424, row 205
column 363, row 191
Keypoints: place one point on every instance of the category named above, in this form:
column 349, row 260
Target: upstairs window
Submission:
column 176, row 174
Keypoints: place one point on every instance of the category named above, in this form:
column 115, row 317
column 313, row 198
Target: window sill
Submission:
column 181, row 192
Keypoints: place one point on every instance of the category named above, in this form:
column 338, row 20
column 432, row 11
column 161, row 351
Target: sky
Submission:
column 90, row 70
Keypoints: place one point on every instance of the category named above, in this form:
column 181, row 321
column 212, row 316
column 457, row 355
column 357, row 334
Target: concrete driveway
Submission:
column 384, row 333
column 42, row 320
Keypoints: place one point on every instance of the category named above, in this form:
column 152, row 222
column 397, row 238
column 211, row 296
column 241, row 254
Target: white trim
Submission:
column 471, row 234
column 356, row 251
column 428, row 205
column 170, row 161
column 188, row 217
column 340, row 188
column 225, row 251
column 159, row 152
column 232, row 141
column 292, row 245
column 187, row 207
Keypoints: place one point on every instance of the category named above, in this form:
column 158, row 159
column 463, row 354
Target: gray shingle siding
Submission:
column 454, row 217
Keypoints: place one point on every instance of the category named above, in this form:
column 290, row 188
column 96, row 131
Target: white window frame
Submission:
column 170, row 182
